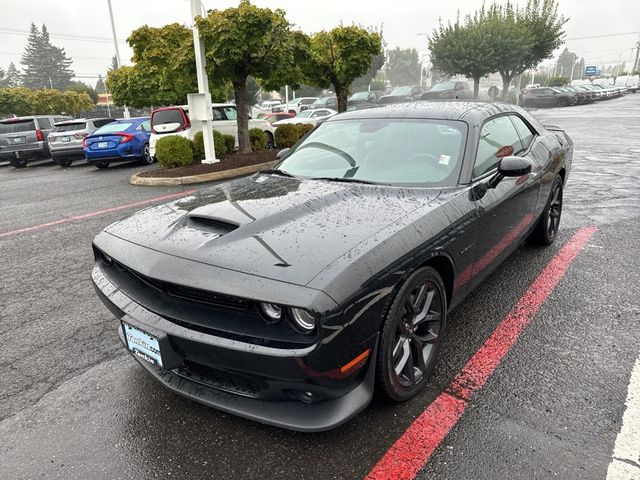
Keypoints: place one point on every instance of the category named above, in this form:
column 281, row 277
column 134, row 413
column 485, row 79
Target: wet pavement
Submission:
column 74, row 404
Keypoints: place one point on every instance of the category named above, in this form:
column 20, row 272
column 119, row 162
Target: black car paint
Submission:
column 340, row 250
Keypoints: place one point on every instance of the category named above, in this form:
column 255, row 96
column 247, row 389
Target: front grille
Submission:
column 221, row 379
column 182, row 292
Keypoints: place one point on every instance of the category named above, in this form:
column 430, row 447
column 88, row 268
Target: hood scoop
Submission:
column 211, row 224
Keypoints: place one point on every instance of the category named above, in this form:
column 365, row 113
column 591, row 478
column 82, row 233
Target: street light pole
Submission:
column 115, row 44
column 203, row 87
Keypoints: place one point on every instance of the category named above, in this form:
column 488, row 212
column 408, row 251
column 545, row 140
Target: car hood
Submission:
column 286, row 229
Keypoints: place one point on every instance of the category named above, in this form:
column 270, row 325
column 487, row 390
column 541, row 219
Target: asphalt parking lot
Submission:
column 74, row 404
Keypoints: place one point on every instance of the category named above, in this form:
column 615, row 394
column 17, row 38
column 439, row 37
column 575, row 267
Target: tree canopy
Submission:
column 339, row 56
column 403, row 66
column 500, row 38
column 24, row 101
column 45, row 65
column 248, row 41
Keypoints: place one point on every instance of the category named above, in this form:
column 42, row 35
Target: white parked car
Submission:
column 297, row 105
column 175, row 121
column 309, row 116
column 269, row 105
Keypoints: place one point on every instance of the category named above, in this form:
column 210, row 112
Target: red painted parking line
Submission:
column 97, row 213
column 413, row 449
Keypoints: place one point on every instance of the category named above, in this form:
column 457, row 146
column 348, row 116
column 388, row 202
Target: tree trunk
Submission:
column 342, row 94
column 476, row 87
column 506, row 83
column 240, row 89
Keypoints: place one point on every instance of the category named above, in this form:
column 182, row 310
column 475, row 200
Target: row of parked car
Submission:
column 101, row 141
column 568, row 96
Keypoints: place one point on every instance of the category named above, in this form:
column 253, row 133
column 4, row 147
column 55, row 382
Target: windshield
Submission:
column 17, row 126
column 360, row 96
column 401, row 91
column 443, row 86
column 323, row 101
column 112, row 128
column 70, row 127
column 390, row 151
column 305, row 114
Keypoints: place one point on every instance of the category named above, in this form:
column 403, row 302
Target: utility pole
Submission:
column 203, row 88
column 635, row 64
column 115, row 44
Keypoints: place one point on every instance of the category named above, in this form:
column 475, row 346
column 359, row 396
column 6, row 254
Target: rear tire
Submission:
column 18, row 162
column 270, row 141
column 546, row 230
column 63, row 162
column 102, row 165
column 411, row 336
column 146, row 159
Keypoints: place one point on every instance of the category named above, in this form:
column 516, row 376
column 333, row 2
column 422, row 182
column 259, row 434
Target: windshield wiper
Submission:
column 275, row 171
column 346, row 180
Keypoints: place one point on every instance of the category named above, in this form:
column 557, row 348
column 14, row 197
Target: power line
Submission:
column 602, row 36
column 62, row 36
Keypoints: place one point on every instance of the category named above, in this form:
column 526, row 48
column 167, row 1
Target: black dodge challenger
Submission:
column 288, row 296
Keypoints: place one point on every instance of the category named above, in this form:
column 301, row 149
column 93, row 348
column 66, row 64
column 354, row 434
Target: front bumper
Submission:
column 261, row 383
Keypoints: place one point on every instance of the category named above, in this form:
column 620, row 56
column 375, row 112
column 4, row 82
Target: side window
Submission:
column 218, row 114
column 230, row 113
column 145, row 126
column 526, row 135
column 44, row 123
column 498, row 138
column 100, row 123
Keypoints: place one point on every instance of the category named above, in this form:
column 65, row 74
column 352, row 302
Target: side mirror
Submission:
column 514, row 166
column 282, row 153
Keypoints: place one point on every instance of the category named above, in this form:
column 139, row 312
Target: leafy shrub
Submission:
column 198, row 148
column 229, row 143
column 219, row 144
column 174, row 151
column 303, row 129
column 286, row 135
column 258, row 139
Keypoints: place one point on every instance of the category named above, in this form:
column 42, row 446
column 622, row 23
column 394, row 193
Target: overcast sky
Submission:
column 403, row 20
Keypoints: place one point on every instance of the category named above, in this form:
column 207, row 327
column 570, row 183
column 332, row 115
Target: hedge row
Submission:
column 288, row 134
column 175, row 151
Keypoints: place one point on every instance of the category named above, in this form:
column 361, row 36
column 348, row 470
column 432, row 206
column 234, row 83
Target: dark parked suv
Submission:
column 25, row 138
column 65, row 141
column 548, row 97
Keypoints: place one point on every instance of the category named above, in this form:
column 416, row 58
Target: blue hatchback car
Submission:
column 124, row 140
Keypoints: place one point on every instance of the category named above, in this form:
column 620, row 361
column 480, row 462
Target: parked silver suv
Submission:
column 25, row 138
column 65, row 140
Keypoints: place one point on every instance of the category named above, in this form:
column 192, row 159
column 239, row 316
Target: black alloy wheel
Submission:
column 102, row 165
column 146, row 159
column 546, row 230
column 411, row 335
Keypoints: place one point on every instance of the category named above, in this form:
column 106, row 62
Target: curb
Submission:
column 136, row 179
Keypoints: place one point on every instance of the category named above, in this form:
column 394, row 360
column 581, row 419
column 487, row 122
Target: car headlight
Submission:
column 303, row 321
column 272, row 312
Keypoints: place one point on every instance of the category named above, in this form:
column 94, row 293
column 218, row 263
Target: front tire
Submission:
column 63, row 162
column 411, row 335
column 546, row 230
column 102, row 165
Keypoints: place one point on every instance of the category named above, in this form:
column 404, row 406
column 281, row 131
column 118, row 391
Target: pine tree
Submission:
column 100, row 86
column 1, row 77
column 12, row 77
column 46, row 65
column 114, row 63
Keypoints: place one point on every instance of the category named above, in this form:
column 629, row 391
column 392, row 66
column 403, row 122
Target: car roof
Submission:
column 470, row 112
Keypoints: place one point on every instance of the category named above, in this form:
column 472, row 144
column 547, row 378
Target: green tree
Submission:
column 339, row 56
column 403, row 67
column 523, row 37
column 45, row 65
column 377, row 62
column 16, row 101
column 100, row 86
column 82, row 87
column 566, row 63
column 248, row 41
column 464, row 48
column 12, row 77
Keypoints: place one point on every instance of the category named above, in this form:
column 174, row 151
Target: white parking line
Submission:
column 626, row 453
